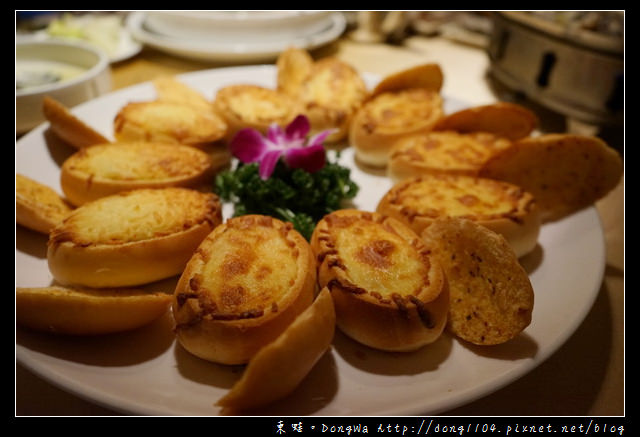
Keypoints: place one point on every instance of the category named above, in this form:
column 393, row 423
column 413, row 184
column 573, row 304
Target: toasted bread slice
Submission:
column 389, row 293
column 500, row 206
column 331, row 94
column 68, row 127
column 168, row 122
column 38, row 206
column 278, row 368
column 294, row 66
column 443, row 152
column 491, row 294
column 131, row 238
column 84, row 311
column 387, row 118
column 428, row 76
column 106, row 169
column 249, row 280
column 170, row 89
column 564, row 172
column 253, row 106
column 503, row 119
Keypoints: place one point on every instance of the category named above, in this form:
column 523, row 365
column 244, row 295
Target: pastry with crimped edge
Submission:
column 500, row 206
column 106, row 169
column 389, row 117
column 330, row 95
column 131, row 238
column 491, row 295
column 85, row 311
column 68, row 127
column 388, row 290
column 565, row 172
column 503, row 119
column 279, row 367
column 38, row 206
column 168, row 122
column 443, row 152
column 253, row 106
column 245, row 284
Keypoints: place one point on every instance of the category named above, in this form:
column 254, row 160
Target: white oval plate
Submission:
column 146, row 372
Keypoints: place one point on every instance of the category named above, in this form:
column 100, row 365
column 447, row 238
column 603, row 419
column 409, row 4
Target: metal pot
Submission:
column 575, row 71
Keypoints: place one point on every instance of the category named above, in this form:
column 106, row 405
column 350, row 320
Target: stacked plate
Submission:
column 234, row 36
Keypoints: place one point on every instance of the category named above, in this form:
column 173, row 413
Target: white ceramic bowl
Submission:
column 236, row 26
column 92, row 79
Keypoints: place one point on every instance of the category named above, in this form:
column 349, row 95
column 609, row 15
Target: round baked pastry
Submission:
column 246, row 283
column 168, row 122
column 106, row 169
column 390, row 116
column 389, row 292
column 38, row 206
column 131, row 238
column 500, row 206
column 443, row 152
column 252, row 106
column 330, row 94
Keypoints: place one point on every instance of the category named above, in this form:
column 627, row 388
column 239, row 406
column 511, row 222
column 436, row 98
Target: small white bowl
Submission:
column 93, row 80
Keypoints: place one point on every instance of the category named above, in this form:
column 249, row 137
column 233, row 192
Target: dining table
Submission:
column 584, row 377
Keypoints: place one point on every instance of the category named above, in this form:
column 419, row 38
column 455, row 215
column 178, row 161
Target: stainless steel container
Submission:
column 563, row 66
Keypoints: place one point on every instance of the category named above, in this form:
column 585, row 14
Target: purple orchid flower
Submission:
column 248, row 145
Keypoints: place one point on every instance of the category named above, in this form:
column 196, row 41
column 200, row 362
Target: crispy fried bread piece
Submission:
column 491, row 295
column 428, row 76
column 564, row 172
column 503, row 119
column 106, row 169
column 168, row 122
column 389, row 292
column 170, row 89
column 84, row 311
column 279, row 367
column 131, row 238
column 68, row 127
column 293, row 66
column 390, row 116
column 443, row 152
column 500, row 206
column 38, row 206
column 246, row 283
column 253, row 106
column 331, row 94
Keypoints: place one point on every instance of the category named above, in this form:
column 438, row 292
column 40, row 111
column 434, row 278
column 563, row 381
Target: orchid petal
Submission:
column 248, row 145
column 320, row 137
column 275, row 134
column 311, row 158
column 268, row 163
column 298, row 130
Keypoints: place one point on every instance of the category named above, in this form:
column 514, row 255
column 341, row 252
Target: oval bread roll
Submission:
column 131, row 238
column 503, row 119
column 390, row 116
column 389, row 293
column 84, row 311
column 331, row 94
column 68, row 127
column 279, row 367
column 168, row 122
column 500, row 206
column 38, row 207
column 247, row 282
column 106, row 169
column 443, row 152
column 491, row 295
column 565, row 172
column 253, row 106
